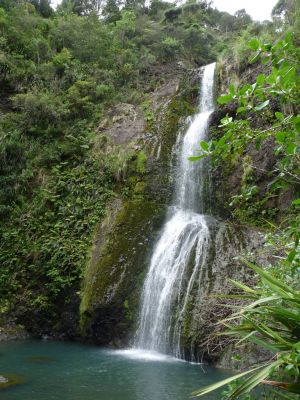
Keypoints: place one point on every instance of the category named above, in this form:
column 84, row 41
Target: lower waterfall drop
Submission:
column 182, row 248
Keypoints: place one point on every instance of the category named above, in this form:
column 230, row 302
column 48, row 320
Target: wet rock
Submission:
column 123, row 242
column 234, row 357
column 9, row 380
column 9, row 330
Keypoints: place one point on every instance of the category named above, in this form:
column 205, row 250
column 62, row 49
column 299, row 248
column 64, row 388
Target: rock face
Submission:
column 124, row 123
column 9, row 330
column 228, row 243
column 116, row 270
column 123, row 241
column 228, row 177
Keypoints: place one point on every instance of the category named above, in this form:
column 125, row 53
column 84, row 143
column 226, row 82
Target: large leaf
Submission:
column 244, row 287
column 271, row 280
column 204, row 145
column 224, row 99
column 197, row 158
column 215, row 386
column 262, row 105
column 254, row 44
column 251, row 382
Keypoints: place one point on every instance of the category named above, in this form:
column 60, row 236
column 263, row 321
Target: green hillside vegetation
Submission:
column 269, row 314
column 62, row 70
column 59, row 72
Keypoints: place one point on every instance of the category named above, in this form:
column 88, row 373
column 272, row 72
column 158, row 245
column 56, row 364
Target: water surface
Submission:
column 72, row 371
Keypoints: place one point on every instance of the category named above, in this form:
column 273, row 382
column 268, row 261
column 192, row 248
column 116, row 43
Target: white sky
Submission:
column 54, row 3
column 258, row 9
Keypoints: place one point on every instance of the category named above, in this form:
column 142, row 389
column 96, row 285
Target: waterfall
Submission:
column 182, row 248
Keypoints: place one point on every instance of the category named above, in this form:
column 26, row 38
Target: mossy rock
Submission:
column 124, row 241
column 115, row 273
column 9, row 380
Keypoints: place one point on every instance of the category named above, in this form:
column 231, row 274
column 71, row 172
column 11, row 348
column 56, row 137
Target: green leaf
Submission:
column 225, row 121
column 281, row 395
column 225, row 98
column 280, row 137
column 296, row 202
column 290, row 148
column 292, row 255
column 255, row 58
column 260, row 79
column 240, row 285
column 251, row 382
column 279, row 116
column 232, row 89
column 224, row 382
column 204, row 145
column 264, row 344
column 241, row 109
column 196, row 158
column 254, row 44
column 265, row 60
column 262, row 105
column 270, row 279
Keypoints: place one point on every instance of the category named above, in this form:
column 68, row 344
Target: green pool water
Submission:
column 72, row 371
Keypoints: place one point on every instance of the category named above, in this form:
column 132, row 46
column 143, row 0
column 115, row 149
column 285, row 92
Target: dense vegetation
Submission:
column 271, row 320
column 59, row 72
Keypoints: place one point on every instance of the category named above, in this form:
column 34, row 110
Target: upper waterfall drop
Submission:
column 182, row 248
column 190, row 186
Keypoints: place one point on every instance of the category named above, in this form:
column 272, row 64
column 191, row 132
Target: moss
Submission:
column 112, row 278
column 117, row 267
column 141, row 162
column 177, row 109
column 139, row 190
column 9, row 380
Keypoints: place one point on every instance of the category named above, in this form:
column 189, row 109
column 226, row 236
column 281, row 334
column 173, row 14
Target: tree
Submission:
column 126, row 25
column 111, row 11
column 242, row 19
column 138, row 6
column 157, row 7
column 172, row 14
column 43, row 7
column 82, row 7
column 286, row 10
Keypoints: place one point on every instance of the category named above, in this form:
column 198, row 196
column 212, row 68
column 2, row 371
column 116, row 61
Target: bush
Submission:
column 41, row 112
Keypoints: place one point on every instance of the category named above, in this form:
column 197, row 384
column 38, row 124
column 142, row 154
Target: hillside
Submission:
column 95, row 100
column 61, row 74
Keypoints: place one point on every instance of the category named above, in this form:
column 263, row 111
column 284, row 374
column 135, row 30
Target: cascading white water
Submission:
column 182, row 248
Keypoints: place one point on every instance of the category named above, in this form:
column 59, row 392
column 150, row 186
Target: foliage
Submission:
column 267, row 111
column 280, row 87
column 59, row 72
column 272, row 322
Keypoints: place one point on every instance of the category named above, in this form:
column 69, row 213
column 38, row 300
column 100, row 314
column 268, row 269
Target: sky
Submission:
column 258, row 9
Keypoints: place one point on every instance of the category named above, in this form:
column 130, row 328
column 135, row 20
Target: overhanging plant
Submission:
column 271, row 321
